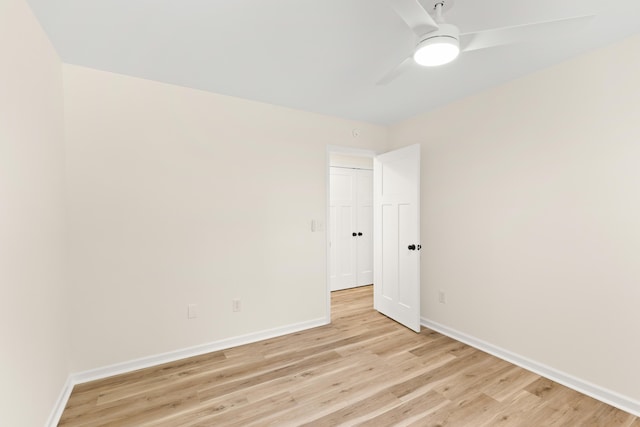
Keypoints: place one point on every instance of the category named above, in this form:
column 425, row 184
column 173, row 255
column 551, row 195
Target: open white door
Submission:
column 396, row 246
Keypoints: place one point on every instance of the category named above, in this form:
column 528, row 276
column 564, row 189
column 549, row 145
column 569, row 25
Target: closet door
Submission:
column 364, row 223
column 342, row 211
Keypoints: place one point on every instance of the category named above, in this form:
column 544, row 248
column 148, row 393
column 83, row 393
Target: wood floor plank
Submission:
column 518, row 411
column 608, row 416
column 418, row 407
column 362, row 369
column 509, row 382
column 254, row 380
column 476, row 410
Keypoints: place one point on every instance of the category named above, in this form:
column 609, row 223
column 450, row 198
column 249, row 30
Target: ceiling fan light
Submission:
column 436, row 51
column 439, row 47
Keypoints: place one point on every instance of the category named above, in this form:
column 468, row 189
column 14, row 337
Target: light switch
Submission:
column 317, row 225
column 192, row 311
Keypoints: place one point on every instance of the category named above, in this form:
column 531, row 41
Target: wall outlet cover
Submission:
column 192, row 311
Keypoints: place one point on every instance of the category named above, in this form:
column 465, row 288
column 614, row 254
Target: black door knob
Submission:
column 359, row 234
column 412, row 247
column 354, row 234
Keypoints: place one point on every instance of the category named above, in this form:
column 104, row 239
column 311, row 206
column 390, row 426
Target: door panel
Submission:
column 365, row 245
column 351, row 211
column 389, row 258
column 396, row 227
column 342, row 208
column 342, row 186
column 347, row 271
column 405, row 256
column 365, row 226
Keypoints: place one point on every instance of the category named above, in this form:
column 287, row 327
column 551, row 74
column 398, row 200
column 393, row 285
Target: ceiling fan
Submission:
column 439, row 43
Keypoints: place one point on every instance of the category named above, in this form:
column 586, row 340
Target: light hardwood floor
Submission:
column 363, row 369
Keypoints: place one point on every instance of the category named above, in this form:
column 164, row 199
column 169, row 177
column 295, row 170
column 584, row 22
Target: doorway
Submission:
column 350, row 222
column 395, row 233
column 348, row 166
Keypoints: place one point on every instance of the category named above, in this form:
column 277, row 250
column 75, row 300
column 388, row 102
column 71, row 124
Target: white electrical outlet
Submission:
column 442, row 297
column 236, row 305
column 192, row 311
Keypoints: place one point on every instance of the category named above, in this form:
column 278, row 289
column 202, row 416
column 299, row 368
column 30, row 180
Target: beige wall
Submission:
column 531, row 216
column 176, row 197
column 34, row 335
column 179, row 196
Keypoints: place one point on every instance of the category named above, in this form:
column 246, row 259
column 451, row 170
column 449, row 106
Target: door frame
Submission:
column 349, row 151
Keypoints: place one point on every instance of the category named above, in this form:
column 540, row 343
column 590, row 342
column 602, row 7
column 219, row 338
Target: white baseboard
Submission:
column 607, row 396
column 146, row 362
column 61, row 402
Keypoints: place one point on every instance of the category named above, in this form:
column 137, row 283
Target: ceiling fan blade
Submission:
column 415, row 16
column 399, row 69
column 522, row 33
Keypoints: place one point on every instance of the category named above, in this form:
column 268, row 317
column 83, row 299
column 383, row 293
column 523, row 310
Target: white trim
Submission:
column 607, row 396
column 61, row 402
column 149, row 361
column 352, row 151
column 172, row 356
column 327, row 230
column 597, row 392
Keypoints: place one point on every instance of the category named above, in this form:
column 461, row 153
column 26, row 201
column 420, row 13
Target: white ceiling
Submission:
column 323, row 56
